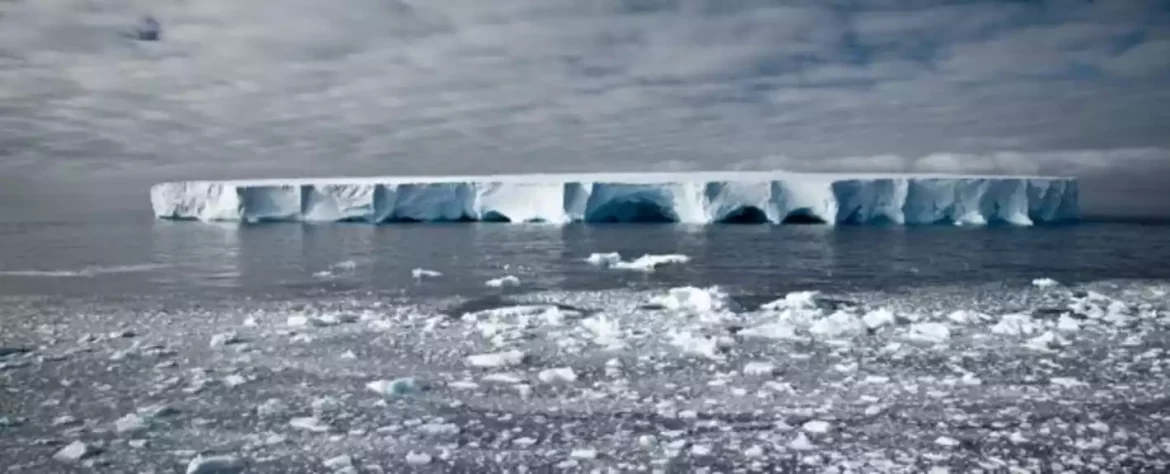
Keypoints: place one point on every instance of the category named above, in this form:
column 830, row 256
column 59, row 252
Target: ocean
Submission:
column 757, row 349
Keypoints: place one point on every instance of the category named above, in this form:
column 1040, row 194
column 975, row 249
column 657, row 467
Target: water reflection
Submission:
column 200, row 254
column 334, row 247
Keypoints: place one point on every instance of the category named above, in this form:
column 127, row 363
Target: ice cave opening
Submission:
column 632, row 211
column 745, row 215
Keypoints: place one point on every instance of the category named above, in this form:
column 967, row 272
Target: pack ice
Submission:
column 686, row 197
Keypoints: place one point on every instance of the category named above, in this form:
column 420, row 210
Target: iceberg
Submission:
column 775, row 197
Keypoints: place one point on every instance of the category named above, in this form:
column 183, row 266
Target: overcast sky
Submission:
column 247, row 88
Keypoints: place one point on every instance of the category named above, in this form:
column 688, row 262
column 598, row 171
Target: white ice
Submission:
column 685, row 197
column 646, row 263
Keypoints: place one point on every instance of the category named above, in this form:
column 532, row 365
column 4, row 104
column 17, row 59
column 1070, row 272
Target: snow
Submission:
column 685, row 197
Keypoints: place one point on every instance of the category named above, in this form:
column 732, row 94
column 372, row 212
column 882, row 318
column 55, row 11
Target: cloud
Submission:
column 310, row 87
column 1084, row 164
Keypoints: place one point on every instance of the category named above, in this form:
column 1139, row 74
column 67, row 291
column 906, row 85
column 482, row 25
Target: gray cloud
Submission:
column 310, row 87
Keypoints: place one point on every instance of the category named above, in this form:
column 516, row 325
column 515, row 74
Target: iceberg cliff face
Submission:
column 694, row 198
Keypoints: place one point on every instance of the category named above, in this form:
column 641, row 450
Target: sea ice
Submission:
column 604, row 330
column 415, row 458
column 878, row 318
column 1045, row 283
column 338, row 463
column 215, row 465
column 75, row 451
column 272, row 408
column 929, row 332
column 838, row 324
column 558, row 374
column 604, row 259
column 506, row 280
column 649, row 263
column 583, row 453
column 758, row 368
column 696, row 345
column 497, row 359
column 794, row 300
column 693, row 300
column 816, row 426
column 130, row 424
column 420, row 273
column 396, row 387
column 309, row 423
column 1015, row 324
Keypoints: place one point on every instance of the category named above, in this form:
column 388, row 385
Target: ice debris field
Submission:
column 686, row 197
column 1047, row 378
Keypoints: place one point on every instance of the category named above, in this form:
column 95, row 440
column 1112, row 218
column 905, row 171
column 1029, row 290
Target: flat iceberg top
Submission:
column 630, row 177
column 686, row 197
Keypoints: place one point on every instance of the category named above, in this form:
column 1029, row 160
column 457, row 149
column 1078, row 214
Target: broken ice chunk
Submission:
column 415, row 458
column 583, row 453
column 801, row 443
column 420, row 273
column 76, row 451
column 935, row 333
column 215, row 465
column 816, row 426
column 309, row 423
column 758, row 368
column 560, row 374
column 130, row 424
column 272, row 408
column 497, row 359
column 507, row 280
column 396, row 387
column 878, row 318
column 339, row 462
column 604, row 259
column 226, row 339
column 1044, row 283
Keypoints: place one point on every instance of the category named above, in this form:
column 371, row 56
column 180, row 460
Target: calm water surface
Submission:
column 134, row 254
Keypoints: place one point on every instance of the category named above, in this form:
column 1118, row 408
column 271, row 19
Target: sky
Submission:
column 269, row 88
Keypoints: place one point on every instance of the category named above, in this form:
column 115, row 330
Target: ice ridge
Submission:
column 690, row 197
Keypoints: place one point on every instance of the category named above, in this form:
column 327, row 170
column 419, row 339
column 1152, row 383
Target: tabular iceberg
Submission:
column 685, row 197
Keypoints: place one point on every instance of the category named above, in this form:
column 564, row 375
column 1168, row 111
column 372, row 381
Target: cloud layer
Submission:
column 307, row 87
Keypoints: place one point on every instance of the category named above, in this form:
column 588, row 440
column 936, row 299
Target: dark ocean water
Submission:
column 134, row 254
